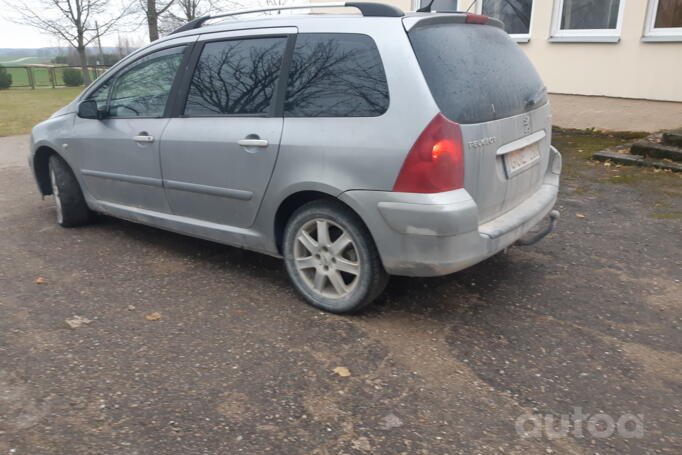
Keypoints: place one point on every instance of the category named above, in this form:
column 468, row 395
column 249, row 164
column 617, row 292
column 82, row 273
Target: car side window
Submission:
column 101, row 95
column 336, row 75
column 235, row 77
column 143, row 90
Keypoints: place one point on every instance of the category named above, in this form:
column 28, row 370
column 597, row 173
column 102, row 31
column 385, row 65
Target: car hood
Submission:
column 68, row 109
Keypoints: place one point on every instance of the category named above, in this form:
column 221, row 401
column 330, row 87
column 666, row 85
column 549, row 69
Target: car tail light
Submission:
column 435, row 162
column 476, row 19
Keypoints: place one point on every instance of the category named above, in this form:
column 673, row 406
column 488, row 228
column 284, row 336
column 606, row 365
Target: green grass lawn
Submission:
column 19, row 77
column 21, row 109
column 41, row 77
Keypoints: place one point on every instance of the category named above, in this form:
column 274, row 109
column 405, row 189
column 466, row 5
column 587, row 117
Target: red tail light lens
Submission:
column 435, row 162
column 476, row 19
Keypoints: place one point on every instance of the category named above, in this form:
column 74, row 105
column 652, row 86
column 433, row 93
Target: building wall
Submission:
column 614, row 114
column 629, row 68
column 629, row 85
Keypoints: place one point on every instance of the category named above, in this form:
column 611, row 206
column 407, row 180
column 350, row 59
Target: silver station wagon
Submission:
column 354, row 146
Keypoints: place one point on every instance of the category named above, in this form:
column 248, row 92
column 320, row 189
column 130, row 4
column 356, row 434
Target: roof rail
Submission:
column 368, row 9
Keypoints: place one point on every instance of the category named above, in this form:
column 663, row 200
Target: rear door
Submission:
column 218, row 155
column 118, row 155
column 481, row 79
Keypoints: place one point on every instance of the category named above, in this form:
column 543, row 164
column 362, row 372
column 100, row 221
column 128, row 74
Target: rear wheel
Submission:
column 331, row 258
column 71, row 208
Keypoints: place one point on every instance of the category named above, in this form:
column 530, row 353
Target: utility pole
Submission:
column 99, row 43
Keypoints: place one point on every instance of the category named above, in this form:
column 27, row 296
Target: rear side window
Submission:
column 336, row 75
column 236, row 77
column 476, row 73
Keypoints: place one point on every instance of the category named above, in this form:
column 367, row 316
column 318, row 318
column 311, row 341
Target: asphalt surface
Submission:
column 590, row 318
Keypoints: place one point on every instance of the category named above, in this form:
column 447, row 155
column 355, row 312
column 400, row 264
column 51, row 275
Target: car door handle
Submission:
column 253, row 142
column 143, row 138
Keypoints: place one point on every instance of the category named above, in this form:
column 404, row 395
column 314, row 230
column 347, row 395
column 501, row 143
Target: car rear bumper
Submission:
column 438, row 234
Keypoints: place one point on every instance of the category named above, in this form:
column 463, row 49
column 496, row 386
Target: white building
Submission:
column 609, row 64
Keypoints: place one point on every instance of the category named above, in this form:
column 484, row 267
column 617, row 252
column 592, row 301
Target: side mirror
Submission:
column 88, row 109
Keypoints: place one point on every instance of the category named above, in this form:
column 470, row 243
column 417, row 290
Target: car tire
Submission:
column 72, row 209
column 331, row 257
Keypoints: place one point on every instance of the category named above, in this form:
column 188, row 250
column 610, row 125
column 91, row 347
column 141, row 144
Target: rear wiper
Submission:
column 537, row 97
column 426, row 8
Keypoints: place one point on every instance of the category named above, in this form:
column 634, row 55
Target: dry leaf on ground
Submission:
column 362, row 443
column 77, row 321
column 41, row 280
column 579, row 215
column 342, row 371
column 390, row 421
column 153, row 316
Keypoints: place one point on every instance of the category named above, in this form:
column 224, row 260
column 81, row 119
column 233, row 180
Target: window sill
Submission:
column 520, row 39
column 662, row 39
column 584, row 39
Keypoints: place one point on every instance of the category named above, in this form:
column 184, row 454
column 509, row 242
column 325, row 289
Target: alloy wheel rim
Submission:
column 57, row 200
column 326, row 258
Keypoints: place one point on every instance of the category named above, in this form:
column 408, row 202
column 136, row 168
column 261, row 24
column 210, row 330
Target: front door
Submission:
column 218, row 156
column 118, row 156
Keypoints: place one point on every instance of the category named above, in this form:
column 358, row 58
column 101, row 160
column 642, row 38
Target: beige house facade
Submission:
column 609, row 64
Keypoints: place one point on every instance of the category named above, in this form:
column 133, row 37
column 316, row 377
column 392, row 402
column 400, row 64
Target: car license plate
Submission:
column 520, row 159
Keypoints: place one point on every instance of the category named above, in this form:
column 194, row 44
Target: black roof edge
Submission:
column 372, row 9
column 191, row 25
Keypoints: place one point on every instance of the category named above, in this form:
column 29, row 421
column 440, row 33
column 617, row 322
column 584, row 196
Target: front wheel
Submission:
column 331, row 258
column 72, row 209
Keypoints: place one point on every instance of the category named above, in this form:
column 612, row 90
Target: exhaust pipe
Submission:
column 535, row 238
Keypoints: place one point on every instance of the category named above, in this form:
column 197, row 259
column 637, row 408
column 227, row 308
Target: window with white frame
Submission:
column 515, row 14
column 664, row 20
column 587, row 20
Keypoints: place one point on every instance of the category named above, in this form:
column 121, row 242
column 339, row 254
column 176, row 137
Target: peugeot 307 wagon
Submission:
column 355, row 146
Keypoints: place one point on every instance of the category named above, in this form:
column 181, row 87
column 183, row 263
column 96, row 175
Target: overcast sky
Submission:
column 23, row 36
column 15, row 35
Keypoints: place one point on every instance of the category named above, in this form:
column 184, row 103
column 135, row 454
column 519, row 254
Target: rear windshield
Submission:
column 476, row 73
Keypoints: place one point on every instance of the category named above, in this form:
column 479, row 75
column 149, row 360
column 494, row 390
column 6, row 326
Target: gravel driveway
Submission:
column 587, row 321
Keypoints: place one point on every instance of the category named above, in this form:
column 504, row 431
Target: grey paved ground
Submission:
column 589, row 318
column 13, row 151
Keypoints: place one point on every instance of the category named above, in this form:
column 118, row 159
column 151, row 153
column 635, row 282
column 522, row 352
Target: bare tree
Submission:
column 275, row 3
column 190, row 9
column 153, row 10
column 123, row 46
column 279, row 4
column 69, row 20
column 182, row 12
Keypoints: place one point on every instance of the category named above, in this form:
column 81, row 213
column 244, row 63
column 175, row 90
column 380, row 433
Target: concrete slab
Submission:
column 656, row 150
column 615, row 114
column 636, row 160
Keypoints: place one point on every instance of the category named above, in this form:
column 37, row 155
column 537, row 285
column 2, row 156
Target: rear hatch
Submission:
column 482, row 80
